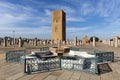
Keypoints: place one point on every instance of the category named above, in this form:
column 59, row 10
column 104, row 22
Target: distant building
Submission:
column 58, row 25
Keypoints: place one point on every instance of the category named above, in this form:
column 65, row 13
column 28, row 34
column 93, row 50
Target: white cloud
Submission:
column 113, row 26
column 48, row 12
column 9, row 18
column 24, row 16
column 74, row 19
column 77, row 29
column 70, row 12
column 100, row 8
column 15, row 14
column 25, row 31
column 107, row 8
column 15, row 8
column 110, row 29
column 12, row 13
column 67, row 9
column 86, row 9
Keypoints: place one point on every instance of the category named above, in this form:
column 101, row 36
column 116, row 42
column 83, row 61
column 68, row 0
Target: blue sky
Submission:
column 32, row 18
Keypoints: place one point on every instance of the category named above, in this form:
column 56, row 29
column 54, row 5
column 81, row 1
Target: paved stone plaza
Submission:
column 13, row 71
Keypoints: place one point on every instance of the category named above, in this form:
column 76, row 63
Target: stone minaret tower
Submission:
column 58, row 25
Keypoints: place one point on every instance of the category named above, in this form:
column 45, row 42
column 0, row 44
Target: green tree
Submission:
column 96, row 39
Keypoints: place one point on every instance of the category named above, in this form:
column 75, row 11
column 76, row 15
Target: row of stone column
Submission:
column 35, row 42
column 115, row 42
column 11, row 42
column 7, row 42
column 76, row 43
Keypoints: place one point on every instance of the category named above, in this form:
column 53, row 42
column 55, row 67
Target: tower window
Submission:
column 56, row 21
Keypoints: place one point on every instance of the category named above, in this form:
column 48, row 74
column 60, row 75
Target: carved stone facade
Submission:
column 58, row 25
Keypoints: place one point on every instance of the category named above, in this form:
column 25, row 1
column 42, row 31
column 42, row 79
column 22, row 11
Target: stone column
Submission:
column 35, row 42
column 5, row 42
column 44, row 42
column 10, row 42
column 32, row 42
column 20, row 42
column 48, row 42
column 51, row 43
column 29, row 42
column 66, row 42
column 94, row 43
column 13, row 41
column 59, row 44
column 111, row 43
column 75, row 41
column 80, row 42
column 116, row 41
column 63, row 43
column 70, row 42
column 40, row 42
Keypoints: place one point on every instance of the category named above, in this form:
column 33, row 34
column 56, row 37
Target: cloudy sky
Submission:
column 32, row 18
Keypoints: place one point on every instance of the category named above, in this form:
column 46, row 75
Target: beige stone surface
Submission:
column 13, row 71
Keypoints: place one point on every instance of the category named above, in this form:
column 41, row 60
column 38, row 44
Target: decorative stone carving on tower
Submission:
column 58, row 25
